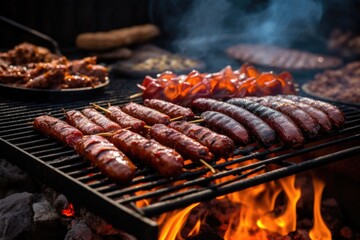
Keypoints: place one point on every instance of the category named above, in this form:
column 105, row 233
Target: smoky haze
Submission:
column 199, row 27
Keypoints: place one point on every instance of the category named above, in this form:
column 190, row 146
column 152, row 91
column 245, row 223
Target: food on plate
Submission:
column 344, row 42
column 287, row 131
column 81, row 122
column 219, row 145
column 164, row 160
column 186, row 146
column 170, row 109
column 100, row 120
column 225, row 84
column 117, row 37
column 282, row 58
column 306, row 123
column 336, row 116
column 165, row 62
column 57, row 129
column 30, row 66
column 148, row 115
column 104, row 155
column 259, row 129
column 341, row 84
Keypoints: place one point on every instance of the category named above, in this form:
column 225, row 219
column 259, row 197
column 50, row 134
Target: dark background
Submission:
column 64, row 20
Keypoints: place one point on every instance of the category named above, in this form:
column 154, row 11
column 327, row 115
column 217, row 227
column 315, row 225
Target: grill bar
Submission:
column 59, row 166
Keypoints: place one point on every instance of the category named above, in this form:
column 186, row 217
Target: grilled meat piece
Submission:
column 57, row 129
column 87, row 66
column 170, row 109
column 148, row 115
column 319, row 116
column 186, row 146
column 336, row 116
column 100, row 120
column 218, row 144
column 125, row 120
column 286, row 129
column 81, row 122
column 261, row 131
column 302, row 119
column 51, row 79
column 104, row 155
column 164, row 160
column 226, row 125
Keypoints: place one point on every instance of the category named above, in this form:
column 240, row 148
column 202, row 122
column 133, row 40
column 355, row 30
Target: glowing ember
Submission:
column 319, row 230
column 69, row 211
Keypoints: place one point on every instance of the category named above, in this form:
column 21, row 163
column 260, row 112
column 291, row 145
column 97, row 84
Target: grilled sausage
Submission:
column 226, row 125
column 164, row 160
column 218, row 144
column 104, row 155
column 286, row 129
column 303, row 120
column 262, row 132
column 318, row 115
column 336, row 116
column 148, row 115
column 125, row 120
column 170, row 109
column 85, row 125
column 186, row 146
column 57, row 129
column 100, row 120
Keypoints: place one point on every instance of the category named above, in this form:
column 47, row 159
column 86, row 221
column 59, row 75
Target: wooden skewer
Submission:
column 208, row 166
column 176, row 118
column 197, row 120
column 109, row 104
column 136, row 95
column 99, row 107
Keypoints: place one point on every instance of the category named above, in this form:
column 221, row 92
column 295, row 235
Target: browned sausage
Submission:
column 100, row 120
column 57, row 129
column 261, row 131
column 186, row 146
column 170, row 109
column 125, row 120
column 104, row 155
column 85, row 125
column 148, row 115
column 164, row 160
column 226, row 125
column 302, row 119
column 318, row 115
column 286, row 129
column 336, row 115
column 218, row 144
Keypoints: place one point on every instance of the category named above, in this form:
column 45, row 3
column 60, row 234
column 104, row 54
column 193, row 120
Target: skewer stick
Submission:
column 197, row 120
column 208, row 166
column 136, row 95
column 109, row 104
column 176, row 118
column 99, row 107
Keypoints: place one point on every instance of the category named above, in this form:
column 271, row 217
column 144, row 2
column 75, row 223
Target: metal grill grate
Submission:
column 124, row 206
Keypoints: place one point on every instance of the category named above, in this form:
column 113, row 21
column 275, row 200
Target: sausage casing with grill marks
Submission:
column 57, row 129
column 81, row 122
column 165, row 160
column 104, row 155
column 286, row 129
column 148, row 115
column 262, row 132
column 317, row 114
column 125, row 120
column 302, row 119
column 170, row 109
column 226, row 125
column 101, row 120
column 218, row 144
column 336, row 115
column 186, row 146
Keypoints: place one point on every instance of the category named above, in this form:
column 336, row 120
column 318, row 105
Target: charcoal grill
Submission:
column 59, row 167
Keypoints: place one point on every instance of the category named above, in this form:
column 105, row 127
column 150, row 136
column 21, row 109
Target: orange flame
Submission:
column 69, row 211
column 319, row 230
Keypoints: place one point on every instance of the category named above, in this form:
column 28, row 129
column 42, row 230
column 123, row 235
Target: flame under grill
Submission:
column 60, row 167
